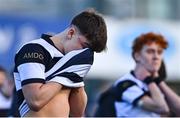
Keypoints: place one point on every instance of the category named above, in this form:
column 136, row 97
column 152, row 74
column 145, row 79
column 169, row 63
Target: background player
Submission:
column 140, row 92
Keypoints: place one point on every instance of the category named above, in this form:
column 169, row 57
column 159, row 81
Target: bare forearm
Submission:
column 78, row 101
column 172, row 98
column 156, row 93
column 39, row 95
column 158, row 98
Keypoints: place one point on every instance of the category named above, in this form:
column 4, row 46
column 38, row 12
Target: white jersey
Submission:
column 39, row 61
column 128, row 90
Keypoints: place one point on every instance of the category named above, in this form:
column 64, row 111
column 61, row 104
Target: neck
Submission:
column 57, row 40
column 140, row 72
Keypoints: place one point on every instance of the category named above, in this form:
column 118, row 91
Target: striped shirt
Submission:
column 129, row 91
column 39, row 61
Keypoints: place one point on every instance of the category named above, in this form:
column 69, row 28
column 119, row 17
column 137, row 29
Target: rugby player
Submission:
column 49, row 71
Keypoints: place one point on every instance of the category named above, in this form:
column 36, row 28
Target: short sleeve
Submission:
column 133, row 94
column 129, row 91
column 30, row 62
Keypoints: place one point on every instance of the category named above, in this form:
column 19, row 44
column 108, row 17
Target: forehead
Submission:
column 152, row 45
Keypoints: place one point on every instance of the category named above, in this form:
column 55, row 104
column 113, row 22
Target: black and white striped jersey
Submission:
column 129, row 91
column 39, row 61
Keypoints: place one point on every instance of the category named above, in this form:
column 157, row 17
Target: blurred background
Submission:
column 25, row 20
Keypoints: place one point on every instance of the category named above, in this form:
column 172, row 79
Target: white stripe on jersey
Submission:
column 66, row 82
column 17, row 81
column 20, row 107
column 24, row 110
column 125, row 107
column 63, row 60
column 51, row 49
column 28, row 68
column 81, row 70
column 132, row 93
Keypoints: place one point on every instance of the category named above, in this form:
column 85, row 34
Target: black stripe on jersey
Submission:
column 32, row 80
column 32, row 53
column 52, row 63
column 122, row 87
column 72, row 76
column 148, row 93
column 46, row 37
column 20, row 97
column 15, row 69
column 85, row 57
column 137, row 99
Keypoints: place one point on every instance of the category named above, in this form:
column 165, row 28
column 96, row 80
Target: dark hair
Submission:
column 148, row 38
column 93, row 27
column 162, row 71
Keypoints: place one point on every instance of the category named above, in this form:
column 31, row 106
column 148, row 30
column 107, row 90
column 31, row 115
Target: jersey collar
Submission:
column 46, row 37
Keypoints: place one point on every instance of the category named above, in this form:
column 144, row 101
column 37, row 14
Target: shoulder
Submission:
column 124, row 84
column 37, row 45
column 32, row 52
column 126, row 79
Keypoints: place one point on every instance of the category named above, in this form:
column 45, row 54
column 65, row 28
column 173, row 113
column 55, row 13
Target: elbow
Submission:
column 35, row 106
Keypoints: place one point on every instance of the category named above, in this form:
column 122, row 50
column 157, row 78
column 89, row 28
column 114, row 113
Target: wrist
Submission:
column 161, row 83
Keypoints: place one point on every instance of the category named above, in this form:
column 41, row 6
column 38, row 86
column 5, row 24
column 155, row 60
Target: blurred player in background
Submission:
column 142, row 92
column 49, row 71
column 6, row 87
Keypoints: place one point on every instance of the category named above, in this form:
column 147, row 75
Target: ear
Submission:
column 71, row 32
column 137, row 56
